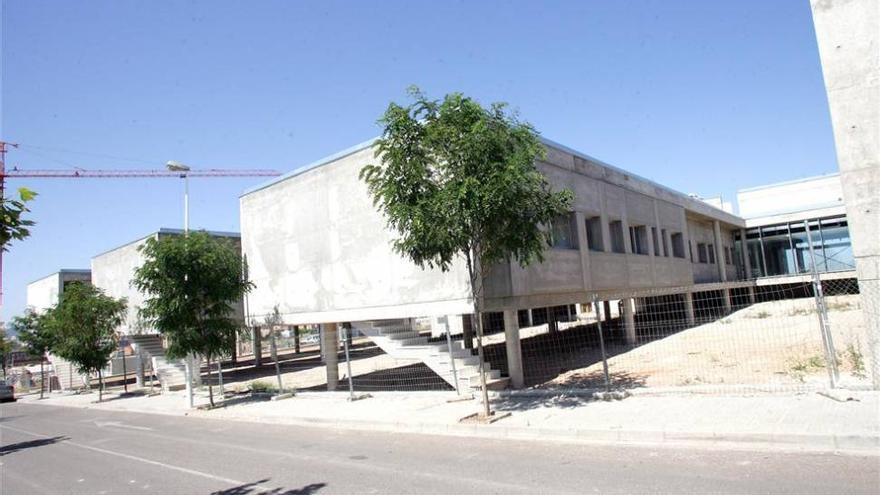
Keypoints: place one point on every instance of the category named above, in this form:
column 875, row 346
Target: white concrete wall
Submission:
column 318, row 248
column 42, row 294
column 849, row 47
column 793, row 196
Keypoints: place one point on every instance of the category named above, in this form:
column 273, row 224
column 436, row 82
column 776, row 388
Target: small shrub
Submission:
column 855, row 359
column 799, row 368
column 262, row 387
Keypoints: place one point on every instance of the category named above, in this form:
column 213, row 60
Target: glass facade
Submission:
column 784, row 249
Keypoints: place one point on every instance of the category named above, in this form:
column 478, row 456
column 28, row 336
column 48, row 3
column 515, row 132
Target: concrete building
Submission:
column 113, row 271
column 777, row 238
column 849, row 48
column 45, row 293
column 319, row 249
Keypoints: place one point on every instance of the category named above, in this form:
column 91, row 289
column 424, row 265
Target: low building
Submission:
column 788, row 224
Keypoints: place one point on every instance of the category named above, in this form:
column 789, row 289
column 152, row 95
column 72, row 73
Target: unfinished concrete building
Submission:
column 113, row 271
column 319, row 249
column 45, row 293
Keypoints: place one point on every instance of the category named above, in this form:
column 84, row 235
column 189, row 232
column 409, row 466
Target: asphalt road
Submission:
column 50, row 449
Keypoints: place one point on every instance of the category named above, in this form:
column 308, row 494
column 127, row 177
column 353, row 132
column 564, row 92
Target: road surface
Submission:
column 55, row 450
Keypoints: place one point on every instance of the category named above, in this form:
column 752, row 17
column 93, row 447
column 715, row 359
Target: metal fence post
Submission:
column 346, row 338
column 822, row 311
column 274, row 350
column 602, row 345
column 452, row 358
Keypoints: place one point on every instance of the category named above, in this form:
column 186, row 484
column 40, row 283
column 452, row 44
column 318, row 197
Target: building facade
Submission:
column 790, row 224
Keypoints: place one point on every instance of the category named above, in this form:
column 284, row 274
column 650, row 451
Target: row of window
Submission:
column 706, row 254
column 563, row 235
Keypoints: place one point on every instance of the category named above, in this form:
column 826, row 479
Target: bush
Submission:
column 262, row 387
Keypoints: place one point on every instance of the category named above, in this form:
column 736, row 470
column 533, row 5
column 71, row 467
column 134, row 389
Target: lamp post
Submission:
column 175, row 166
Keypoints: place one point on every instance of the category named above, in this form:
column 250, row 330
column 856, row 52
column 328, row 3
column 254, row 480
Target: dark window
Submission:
column 638, row 238
column 711, row 249
column 594, row 234
column 664, row 236
column 615, row 230
column 656, row 239
column 563, row 234
column 678, row 245
column 702, row 253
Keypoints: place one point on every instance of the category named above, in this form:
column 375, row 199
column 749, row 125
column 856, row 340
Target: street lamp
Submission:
column 189, row 362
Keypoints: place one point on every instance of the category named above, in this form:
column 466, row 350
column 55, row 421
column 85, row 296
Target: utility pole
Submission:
column 3, row 145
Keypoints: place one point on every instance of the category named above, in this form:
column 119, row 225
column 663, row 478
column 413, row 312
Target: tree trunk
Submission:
column 42, row 377
column 100, row 385
column 210, row 386
column 476, row 277
column 296, row 339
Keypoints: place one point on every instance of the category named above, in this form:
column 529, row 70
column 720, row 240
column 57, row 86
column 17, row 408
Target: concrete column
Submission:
column 514, row 349
column 689, row 309
column 583, row 248
column 531, row 317
column 719, row 252
column 606, row 310
column 257, row 341
column 848, row 37
column 747, row 268
column 751, row 295
column 725, row 299
column 578, row 309
column 331, row 358
column 629, row 320
column 139, row 375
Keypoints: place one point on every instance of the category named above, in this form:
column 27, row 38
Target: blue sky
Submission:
column 705, row 97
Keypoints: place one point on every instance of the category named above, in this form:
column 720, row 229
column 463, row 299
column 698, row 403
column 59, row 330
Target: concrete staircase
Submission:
column 171, row 373
column 400, row 341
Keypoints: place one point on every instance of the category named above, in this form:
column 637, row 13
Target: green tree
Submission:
column 192, row 284
column 84, row 324
column 12, row 224
column 5, row 350
column 36, row 337
column 458, row 179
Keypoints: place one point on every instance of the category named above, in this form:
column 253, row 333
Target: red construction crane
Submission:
column 15, row 173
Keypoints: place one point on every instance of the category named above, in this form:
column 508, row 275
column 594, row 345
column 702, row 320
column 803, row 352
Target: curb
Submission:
column 843, row 443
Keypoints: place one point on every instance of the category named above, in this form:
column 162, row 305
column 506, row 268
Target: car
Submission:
column 7, row 393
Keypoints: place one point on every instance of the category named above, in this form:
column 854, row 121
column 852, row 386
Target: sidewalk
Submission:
column 803, row 422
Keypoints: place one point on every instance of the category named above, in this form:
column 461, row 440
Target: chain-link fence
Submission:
column 785, row 334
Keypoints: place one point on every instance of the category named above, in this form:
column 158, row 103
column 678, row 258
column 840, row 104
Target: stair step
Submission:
column 490, row 375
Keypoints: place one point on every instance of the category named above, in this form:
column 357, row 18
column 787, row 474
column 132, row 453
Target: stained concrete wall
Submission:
column 318, row 248
column 849, row 47
column 113, row 271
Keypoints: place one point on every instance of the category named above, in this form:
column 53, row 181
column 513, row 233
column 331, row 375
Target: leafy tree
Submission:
column 192, row 284
column 5, row 350
column 84, row 325
column 457, row 179
column 36, row 336
column 12, row 224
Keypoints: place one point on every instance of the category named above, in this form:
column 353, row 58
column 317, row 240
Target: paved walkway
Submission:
column 850, row 422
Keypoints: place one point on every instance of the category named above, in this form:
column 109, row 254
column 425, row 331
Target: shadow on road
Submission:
column 254, row 488
column 15, row 447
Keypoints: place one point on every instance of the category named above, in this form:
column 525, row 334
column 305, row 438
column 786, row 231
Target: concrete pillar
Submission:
column 848, row 38
column 330, row 344
column 139, row 375
column 719, row 252
column 606, row 310
column 514, row 349
column 725, row 299
column 689, row 309
column 531, row 317
column 747, row 268
column 257, row 340
column 629, row 320
column 751, row 295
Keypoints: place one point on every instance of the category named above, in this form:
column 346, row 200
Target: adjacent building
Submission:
column 789, row 224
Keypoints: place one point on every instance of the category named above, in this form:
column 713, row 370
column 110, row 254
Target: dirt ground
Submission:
column 773, row 343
